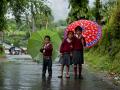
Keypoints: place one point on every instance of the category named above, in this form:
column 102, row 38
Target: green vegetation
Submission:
column 78, row 8
column 106, row 55
column 36, row 42
column 1, row 51
column 102, row 62
column 33, row 20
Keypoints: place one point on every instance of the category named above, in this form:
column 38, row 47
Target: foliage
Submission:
column 107, row 8
column 102, row 62
column 40, row 14
column 36, row 42
column 106, row 55
column 97, row 10
column 18, row 8
column 3, row 10
column 1, row 50
column 78, row 8
column 60, row 23
column 114, row 23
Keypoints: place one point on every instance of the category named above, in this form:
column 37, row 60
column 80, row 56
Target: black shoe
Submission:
column 43, row 75
column 59, row 76
column 50, row 75
column 67, row 77
column 75, row 77
column 80, row 77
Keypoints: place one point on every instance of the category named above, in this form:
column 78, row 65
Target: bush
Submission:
column 1, row 50
column 107, row 55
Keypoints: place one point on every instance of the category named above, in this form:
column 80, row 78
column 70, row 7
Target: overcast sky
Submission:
column 60, row 8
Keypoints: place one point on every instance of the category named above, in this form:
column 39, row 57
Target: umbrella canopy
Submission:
column 36, row 42
column 91, row 31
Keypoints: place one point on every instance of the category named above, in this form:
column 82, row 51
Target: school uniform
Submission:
column 78, row 45
column 66, row 49
column 47, row 58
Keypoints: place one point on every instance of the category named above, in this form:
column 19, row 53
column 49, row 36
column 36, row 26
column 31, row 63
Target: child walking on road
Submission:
column 47, row 56
column 66, row 51
column 78, row 46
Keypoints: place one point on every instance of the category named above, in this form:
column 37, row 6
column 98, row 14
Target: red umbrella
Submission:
column 91, row 31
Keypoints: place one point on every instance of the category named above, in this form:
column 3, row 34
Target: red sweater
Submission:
column 78, row 44
column 66, row 46
column 48, row 48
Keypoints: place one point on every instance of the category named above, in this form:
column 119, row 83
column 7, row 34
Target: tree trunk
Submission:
column 32, row 19
column 47, row 24
column 1, row 37
column 28, row 23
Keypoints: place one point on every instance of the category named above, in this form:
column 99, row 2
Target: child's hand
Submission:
column 43, row 50
column 61, row 54
column 71, row 54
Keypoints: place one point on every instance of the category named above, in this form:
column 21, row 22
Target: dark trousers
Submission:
column 47, row 64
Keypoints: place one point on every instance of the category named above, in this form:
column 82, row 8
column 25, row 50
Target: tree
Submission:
column 18, row 8
column 78, row 8
column 30, row 11
column 3, row 10
column 98, row 6
column 40, row 14
column 114, row 23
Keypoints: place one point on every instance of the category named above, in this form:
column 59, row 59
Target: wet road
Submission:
column 27, row 76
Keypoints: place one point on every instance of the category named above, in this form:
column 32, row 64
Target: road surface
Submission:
column 26, row 75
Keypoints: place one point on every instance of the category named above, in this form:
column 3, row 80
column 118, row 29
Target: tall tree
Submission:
column 114, row 22
column 78, row 8
column 98, row 7
column 39, row 14
column 107, row 7
column 3, row 10
column 18, row 8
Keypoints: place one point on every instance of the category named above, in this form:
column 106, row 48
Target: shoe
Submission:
column 50, row 76
column 80, row 77
column 75, row 77
column 67, row 76
column 60, row 76
column 43, row 75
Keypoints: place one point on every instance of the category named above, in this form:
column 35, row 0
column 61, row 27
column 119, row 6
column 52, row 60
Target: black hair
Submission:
column 78, row 28
column 47, row 37
column 70, row 32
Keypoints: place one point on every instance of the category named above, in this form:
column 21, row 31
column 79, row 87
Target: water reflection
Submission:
column 46, row 83
column 29, row 77
column 1, row 75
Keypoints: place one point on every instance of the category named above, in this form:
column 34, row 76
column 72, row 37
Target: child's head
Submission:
column 78, row 30
column 70, row 34
column 47, row 39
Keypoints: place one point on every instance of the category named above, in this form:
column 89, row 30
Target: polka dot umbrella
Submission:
column 91, row 31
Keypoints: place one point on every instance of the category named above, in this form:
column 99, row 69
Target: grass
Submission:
column 102, row 62
column 1, row 55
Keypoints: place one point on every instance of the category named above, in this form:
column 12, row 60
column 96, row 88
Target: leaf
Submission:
column 36, row 42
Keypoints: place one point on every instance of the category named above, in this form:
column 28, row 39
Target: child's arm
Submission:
column 83, row 41
column 49, row 48
column 62, row 47
column 42, row 49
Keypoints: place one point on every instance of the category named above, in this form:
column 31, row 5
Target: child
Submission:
column 78, row 44
column 66, row 50
column 47, row 56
